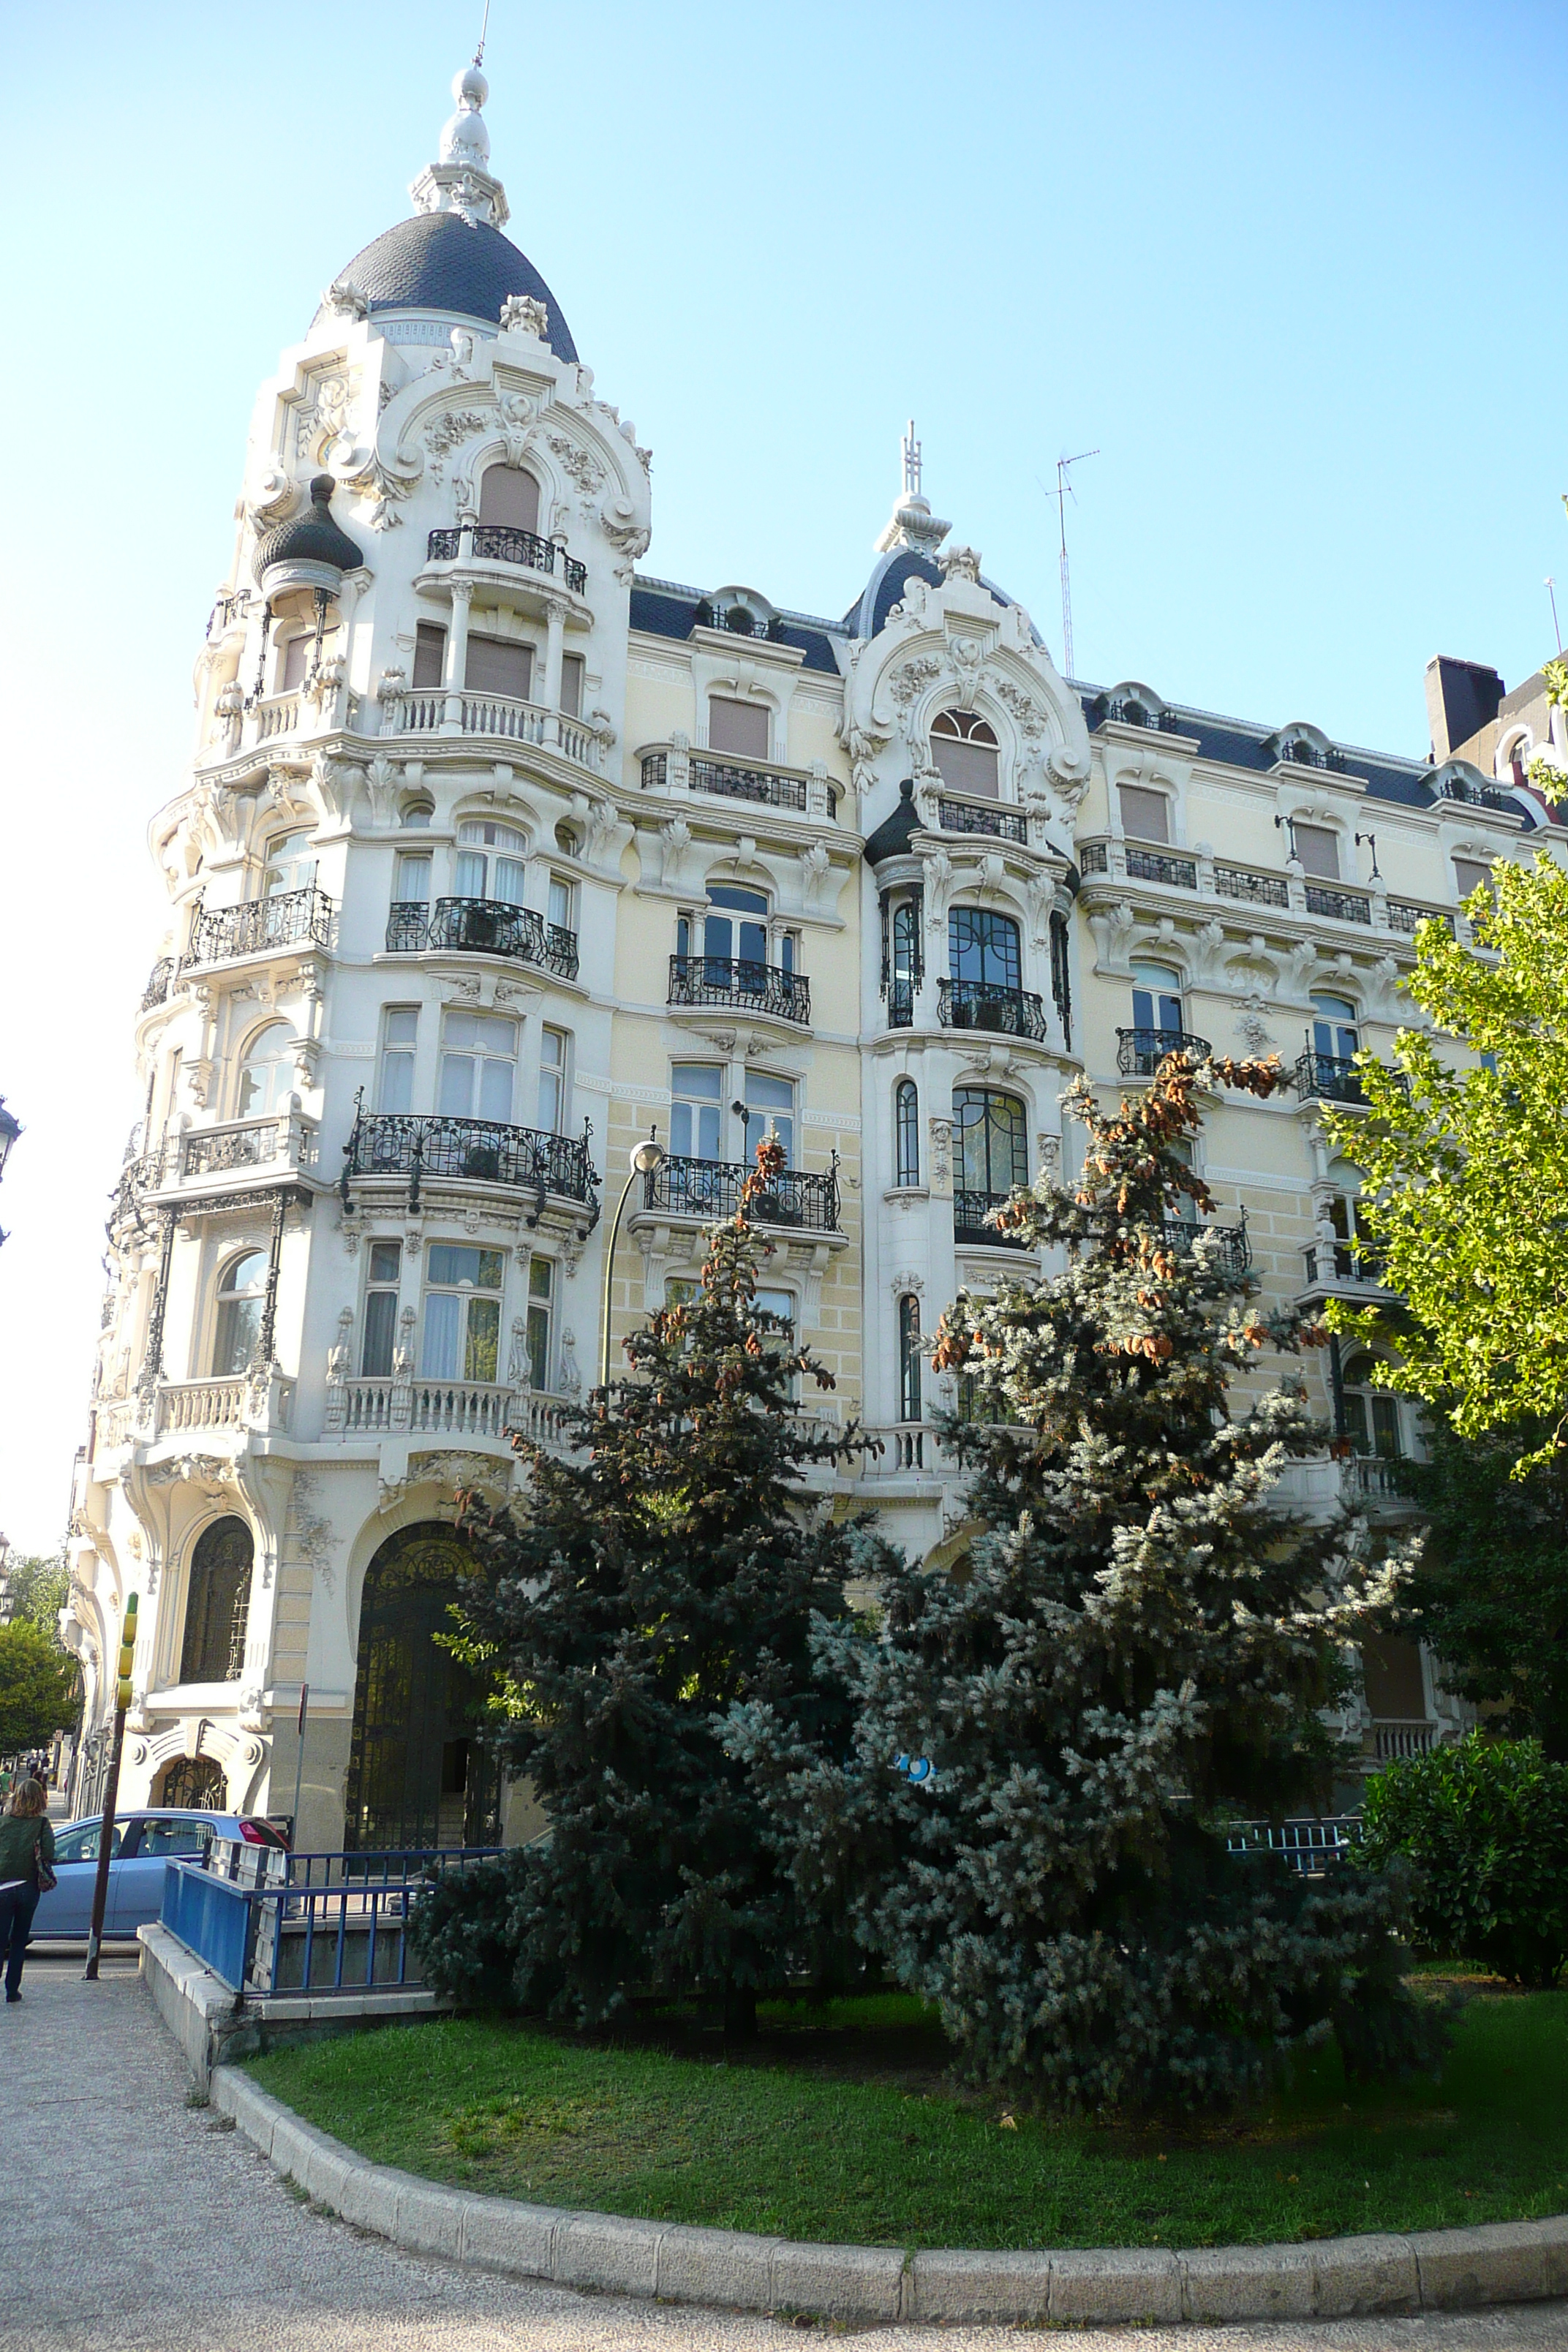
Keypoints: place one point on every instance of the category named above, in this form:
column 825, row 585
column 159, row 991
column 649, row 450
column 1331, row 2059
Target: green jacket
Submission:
column 19, row 1839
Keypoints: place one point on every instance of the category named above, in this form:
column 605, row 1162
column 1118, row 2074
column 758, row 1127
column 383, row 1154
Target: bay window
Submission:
column 478, row 1067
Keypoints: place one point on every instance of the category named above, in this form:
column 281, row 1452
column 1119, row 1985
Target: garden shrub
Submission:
column 1486, row 1824
column 461, row 1936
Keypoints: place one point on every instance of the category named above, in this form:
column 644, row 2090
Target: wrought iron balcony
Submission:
column 990, row 1004
column 1156, row 865
column 900, row 1003
column 974, row 816
column 1140, row 1052
column 741, row 981
column 159, row 981
column 479, row 1151
column 970, row 1211
column 1328, row 1077
column 481, row 927
column 1228, row 1244
column 1459, row 788
column 498, row 542
column 710, row 1188
column 295, row 917
column 1346, row 1262
column 1404, row 915
column 1254, row 889
column 1345, row 905
column 732, row 782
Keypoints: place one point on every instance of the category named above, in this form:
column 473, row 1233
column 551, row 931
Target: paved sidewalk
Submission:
column 133, row 2220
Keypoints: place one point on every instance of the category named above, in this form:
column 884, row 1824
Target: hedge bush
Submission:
column 462, row 1936
column 1486, row 1824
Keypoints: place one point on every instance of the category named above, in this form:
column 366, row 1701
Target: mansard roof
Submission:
column 439, row 261
column 663, row 608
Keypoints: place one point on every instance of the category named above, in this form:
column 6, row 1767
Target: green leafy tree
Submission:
column 1465, row 1171
column 38, row 1586
column 1030, row 1824
column 37, row 1689
column 1486, row 1824
column 668, row 1570
column 1489, row 1587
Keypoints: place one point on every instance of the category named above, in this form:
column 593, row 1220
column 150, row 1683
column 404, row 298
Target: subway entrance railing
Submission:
column 271, row 1926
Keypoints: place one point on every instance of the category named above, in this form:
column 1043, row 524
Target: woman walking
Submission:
column 26, row 1852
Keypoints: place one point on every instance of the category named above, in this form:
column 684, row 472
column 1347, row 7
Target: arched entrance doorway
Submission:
column 198, row 1782
column 417, row 1777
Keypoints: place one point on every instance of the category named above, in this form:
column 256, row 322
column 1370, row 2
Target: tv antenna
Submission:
column 484, row 35
column 1064, row 491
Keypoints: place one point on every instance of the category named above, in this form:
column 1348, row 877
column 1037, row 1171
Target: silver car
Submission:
column 143, row 1842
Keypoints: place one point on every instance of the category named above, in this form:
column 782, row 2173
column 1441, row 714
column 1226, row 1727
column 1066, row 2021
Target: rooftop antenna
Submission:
column 1064, row 489
column 1556, row 629
column 912, row 450
column 484, row 36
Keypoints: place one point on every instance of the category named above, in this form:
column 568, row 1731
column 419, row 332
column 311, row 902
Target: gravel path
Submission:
column 133, row 2219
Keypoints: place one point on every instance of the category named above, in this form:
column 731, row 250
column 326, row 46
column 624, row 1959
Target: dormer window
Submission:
column 964, row 749
column 508, row 496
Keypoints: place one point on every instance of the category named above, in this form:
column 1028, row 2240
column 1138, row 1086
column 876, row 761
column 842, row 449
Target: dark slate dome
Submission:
column 438, row 261
column 310, row 538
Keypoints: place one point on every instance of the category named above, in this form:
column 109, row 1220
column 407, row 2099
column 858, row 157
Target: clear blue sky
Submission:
column 1290, row 268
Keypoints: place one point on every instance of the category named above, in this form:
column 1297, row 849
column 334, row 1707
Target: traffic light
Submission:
column 127, row 1652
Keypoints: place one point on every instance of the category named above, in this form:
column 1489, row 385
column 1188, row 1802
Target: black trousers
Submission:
column 16, row 1908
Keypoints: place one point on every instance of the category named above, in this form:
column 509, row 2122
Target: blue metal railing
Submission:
column 269, row 1925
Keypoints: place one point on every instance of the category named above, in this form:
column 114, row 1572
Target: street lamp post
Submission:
column 111, row 1788
column 646, row 1157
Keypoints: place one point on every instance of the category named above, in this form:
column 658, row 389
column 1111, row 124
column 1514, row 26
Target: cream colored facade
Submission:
column 495, row 853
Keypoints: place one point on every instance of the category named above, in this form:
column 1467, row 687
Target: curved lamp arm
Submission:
column 646, row 1157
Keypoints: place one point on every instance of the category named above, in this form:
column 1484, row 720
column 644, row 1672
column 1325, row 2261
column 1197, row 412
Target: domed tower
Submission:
column 355, row 1236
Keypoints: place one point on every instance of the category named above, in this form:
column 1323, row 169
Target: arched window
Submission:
column 194, row 1784
column 984, row 947
column 290, row 864
column 906, row 1133
column 508, row 496
column 991, row 1152
column 491, row 861
column 217, row 1604
column 1334, row 1031
column 909, row 1357
column 266, row 1071
column 963, row 748
column 1371, row 1414
column 241, row 1291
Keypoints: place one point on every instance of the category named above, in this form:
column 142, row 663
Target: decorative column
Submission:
column 556, row 611
column 457, row 655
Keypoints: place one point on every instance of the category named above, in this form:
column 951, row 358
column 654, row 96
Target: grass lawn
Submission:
column 840, row 2125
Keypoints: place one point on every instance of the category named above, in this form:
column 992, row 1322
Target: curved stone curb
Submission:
column 1434, row 2270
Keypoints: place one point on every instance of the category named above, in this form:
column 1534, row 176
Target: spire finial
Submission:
column 484, row 36
column 912, row 451
column 460, row 180
column 913, row 523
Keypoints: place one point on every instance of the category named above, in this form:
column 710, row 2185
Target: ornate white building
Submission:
column 496, row 852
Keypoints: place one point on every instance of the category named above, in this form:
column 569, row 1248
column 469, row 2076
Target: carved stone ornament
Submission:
column 443, row 433
column 525, row 314
column 343, row 299
column 959, row 564
column 580, row 465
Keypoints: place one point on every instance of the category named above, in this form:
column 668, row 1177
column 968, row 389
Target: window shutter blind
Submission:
column 738, row 727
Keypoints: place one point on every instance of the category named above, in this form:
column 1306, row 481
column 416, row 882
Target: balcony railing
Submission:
column 1405, row 917
column 159, row 981
column 970, row 1211
column 424, row 713
column 710, row 1188
column 1345, row 905
column 250, row 1143
column 1155, row 866
column 1346, row 1262
column 978, row 816
column 1328, row 1077
column 479, row 1151
column 900, row 1003
column 730, row 781
column 741, row 981
column 1457, row 788
column 1254, row 889
column 1096, row 858
column 495, row 542
column 1392, row 1739
column 991, row 1005
column 481, row 927
column 260, row 925
column 1229, row 1245
column 1140, row 1052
